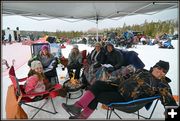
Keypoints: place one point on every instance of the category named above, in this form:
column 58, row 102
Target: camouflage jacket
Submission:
column 143, row 84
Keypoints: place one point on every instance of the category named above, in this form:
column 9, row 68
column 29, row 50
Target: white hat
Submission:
column 35, row 64
column 75, row 46
column 98, row 44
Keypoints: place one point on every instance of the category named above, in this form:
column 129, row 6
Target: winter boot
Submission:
column 85, row 100
column 72, row 109
column 84, row 114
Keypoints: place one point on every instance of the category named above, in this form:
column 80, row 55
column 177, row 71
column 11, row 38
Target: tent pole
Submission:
column 97, row 29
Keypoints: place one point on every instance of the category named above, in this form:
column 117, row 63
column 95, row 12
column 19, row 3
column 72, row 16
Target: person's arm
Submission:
column 166, row 95
column 119, row 59
column 69, row 59
column 31, row 83
column 80, row 58
column 32, row 59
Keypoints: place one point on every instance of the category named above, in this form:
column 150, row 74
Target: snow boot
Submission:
column 85, row 100
column 72, row 109
column 84, row 114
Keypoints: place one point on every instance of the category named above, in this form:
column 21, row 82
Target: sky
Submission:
column 55, row 24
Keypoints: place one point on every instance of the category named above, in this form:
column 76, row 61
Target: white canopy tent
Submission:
column 90, row 10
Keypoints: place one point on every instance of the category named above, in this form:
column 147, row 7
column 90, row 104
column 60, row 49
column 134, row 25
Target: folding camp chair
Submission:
column 133, row 106
column 26, row 100
column 50, row 73
column 36, row 48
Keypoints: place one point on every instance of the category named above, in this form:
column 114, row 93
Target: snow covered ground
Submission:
column 149, row 55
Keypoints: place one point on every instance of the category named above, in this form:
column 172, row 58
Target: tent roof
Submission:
column 90, row 10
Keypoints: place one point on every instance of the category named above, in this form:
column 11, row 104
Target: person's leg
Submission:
column 52, row 76
column 69, row 69
column 96, row 89
column 84, row 81
column 84, row 114
column 109, row 97
column 77, row 72
column 82, row 103
column 105, row 98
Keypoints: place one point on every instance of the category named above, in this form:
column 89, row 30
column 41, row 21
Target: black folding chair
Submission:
column 36, row 48
column 133, row 106
column 51, row 73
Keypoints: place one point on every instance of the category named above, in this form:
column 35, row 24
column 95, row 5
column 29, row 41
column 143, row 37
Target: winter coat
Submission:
column 131, row 57
column 96, row 58
column 115, row 58
column 143, row 84
column 33, row 85
column 74, row 60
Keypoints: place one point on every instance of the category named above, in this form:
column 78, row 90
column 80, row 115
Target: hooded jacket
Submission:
column 115, row 58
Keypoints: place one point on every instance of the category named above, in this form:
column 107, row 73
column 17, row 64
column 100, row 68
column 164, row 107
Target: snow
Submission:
column 149, row 55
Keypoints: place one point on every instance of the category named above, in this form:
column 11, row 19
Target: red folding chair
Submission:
column 26, row 100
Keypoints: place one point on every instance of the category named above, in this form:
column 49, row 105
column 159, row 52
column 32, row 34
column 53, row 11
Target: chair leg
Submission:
column 150, row 114
column 53, row 106
column 107, row 114
column 116, row 114
column 110, row 113
column 68, row 96
column 153, row 109
column 138, row 114
column 39, row 108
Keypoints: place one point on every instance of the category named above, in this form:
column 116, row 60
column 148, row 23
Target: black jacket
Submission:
column 115, row 58
column 96, row 58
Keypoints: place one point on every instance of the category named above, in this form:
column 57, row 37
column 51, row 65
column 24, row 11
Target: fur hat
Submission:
column 44, row 47
column 97, row 44
column 35, row 64
column 75, row 46
column 162, row 64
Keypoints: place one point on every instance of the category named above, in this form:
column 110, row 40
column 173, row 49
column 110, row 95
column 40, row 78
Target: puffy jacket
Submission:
column 33, row 85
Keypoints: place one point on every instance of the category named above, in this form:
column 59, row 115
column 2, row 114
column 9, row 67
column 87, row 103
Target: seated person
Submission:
column 74, row 62
column 95, row 59
column 97, row 56
column 142, row 83
column 48, row 61
column 113, row 57
column 36, row 81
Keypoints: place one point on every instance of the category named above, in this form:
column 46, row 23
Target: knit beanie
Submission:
column 109, row 44
column 44, row 47
column 162, row 64
column 35, row 64
column 75, row 46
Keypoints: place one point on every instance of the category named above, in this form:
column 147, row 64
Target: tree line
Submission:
column 151, row 29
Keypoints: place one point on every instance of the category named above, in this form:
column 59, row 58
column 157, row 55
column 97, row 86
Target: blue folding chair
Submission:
column 133, row 106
